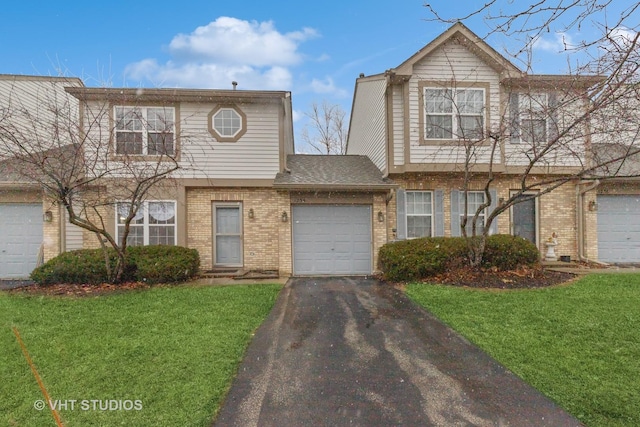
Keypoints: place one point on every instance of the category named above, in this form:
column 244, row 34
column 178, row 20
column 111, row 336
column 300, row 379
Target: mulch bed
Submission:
column 522, row 278
column 78, row 290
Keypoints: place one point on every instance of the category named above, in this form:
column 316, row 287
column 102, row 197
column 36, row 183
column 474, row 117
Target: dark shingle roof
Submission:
column 332, row 172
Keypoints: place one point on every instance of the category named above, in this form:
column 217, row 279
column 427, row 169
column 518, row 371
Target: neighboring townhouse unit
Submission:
column 30, row 227
column 457, row 111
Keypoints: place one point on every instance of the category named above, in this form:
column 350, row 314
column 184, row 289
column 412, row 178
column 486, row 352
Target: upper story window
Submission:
column 454, row 113
column 227, row 123
column 144, row 130
column 533, row 117
column 419, row 208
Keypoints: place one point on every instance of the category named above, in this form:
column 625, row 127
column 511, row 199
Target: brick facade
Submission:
column 556, row 210
column 266, row 239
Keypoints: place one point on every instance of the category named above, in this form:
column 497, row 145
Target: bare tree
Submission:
column 87, row 161
column 586, row 123
column 327, row 131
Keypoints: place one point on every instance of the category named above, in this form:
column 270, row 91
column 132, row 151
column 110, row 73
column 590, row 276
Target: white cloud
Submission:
column 622, row 36
column 327, row 86
column 252, row 53
column 559, row 43
column 297, row 115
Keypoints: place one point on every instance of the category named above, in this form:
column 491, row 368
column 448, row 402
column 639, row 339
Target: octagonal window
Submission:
column 227, row 124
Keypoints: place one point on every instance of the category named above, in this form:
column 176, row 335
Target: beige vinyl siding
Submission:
column 367, row 131
column 37, row 95
column 568, row 151
column 254, row 156
column 398, row 125
column 452, row 62
column 73, row 235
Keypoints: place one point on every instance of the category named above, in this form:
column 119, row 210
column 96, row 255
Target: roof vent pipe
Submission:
column 234, row 84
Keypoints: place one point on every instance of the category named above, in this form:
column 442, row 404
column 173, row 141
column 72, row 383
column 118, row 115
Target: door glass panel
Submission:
column 524, row 220
column 228, row 236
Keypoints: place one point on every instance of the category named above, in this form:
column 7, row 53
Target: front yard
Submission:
column 578, row 344
column 175, row 350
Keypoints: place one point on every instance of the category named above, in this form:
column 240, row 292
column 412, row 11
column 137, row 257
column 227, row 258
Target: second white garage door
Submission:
column 331, row 240
column 619, row 228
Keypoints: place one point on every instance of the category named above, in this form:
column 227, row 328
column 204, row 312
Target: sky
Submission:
column 314, row 49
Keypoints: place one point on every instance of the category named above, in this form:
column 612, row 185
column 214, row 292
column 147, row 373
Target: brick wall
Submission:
column 266, row 239
column 556, row 210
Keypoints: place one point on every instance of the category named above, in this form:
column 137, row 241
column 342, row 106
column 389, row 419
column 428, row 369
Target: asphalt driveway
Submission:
column 356, row 352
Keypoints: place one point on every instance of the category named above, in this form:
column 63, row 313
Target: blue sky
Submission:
column 315, row 49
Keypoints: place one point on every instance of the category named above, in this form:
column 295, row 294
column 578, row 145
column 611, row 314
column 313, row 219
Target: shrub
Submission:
column 164, row 264
column 81, row 266
column 418, row 258
column 506, row 252
column 153, row 264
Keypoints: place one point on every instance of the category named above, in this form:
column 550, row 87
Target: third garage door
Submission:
column 331, row 239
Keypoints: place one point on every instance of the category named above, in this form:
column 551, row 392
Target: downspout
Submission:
column 580, row 192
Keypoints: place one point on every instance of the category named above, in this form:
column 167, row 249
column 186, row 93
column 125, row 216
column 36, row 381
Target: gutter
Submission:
column 580, row 192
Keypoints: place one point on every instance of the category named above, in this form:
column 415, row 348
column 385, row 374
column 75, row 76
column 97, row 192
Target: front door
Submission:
column 227, row 235
column 524, row 219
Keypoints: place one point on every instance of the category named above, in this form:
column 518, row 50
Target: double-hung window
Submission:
column 419, row 210
column 454, row 113
column 153, row 224
column 144, row 130
column 533, row 117
column 475, row 199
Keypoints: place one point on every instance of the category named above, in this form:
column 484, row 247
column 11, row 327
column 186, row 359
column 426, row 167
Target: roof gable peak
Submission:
column 467, row 38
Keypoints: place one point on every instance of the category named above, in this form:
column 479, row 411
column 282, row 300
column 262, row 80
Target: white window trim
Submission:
column 238, row 116
column 525, row 114
column 407, row 214
column 145, row 129
column 461, row 205
column 454, row 111
column 145, row 224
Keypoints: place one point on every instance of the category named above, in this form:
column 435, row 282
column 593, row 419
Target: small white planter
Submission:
column 551, row 251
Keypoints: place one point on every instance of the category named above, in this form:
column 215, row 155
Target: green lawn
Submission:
column 578, row 344
column 175, row 349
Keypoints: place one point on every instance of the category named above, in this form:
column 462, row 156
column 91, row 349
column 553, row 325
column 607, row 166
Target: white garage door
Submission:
column 331, row 239
column 20, row 239
column 619, row 228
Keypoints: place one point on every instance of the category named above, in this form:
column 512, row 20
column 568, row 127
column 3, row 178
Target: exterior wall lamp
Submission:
column 380, row 216
column 284, row 217
column 48, row 216
column 592, row 206
column 251, row 213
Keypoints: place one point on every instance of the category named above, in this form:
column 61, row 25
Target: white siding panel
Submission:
column 398, row 125
column 73, row 235
column 30, row 101
column 367, row 132
column 254, row 156
column 452, row 62
column 570, row 150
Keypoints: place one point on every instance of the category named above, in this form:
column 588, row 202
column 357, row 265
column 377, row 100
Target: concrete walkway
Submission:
column 357, row 352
